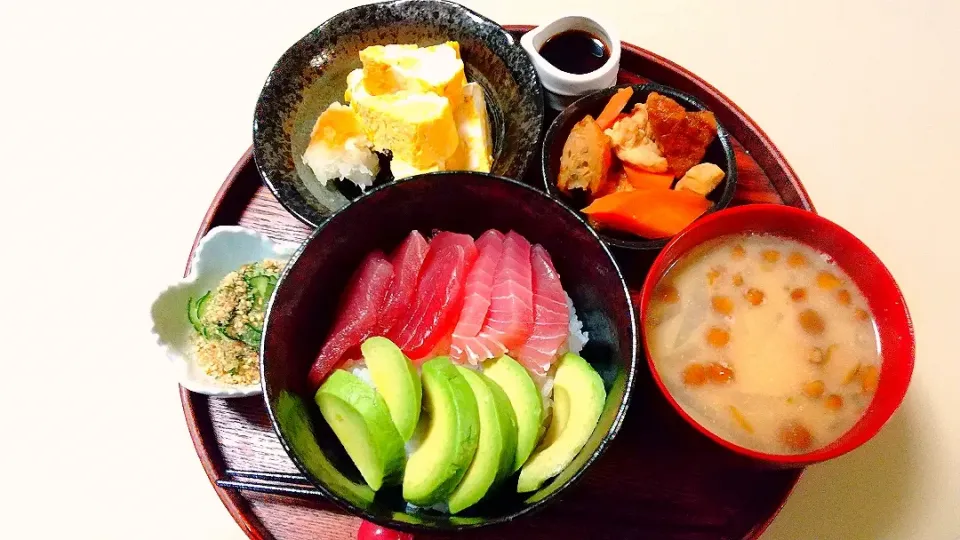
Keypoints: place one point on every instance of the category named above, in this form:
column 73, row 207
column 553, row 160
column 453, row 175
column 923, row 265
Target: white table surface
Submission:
column 121, row 119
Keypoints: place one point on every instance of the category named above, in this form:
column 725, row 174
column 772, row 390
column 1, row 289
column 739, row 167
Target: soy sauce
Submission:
column 575, row 51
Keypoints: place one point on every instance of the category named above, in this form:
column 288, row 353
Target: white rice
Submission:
column 578, row 338
column 355, row 162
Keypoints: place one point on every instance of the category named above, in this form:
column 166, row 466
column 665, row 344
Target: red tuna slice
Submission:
column 551, row 315
column 509, row 321
column 476, row 300
column 406, row 261
column 439, row 296
column 357, row 316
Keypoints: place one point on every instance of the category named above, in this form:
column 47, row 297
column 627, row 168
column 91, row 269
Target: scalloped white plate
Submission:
column 221, row 251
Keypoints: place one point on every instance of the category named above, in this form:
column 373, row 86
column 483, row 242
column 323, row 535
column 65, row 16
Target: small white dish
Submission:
column 564, row 88
column 221, row 251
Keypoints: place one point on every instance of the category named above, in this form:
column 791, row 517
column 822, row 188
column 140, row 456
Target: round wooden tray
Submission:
column 659, row 479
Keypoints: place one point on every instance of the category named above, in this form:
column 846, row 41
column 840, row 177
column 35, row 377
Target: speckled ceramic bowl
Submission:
column 312, row 74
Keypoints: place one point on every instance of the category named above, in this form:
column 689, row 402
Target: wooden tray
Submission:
column 659, row 479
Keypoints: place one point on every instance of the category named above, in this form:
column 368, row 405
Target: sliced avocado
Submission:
column 525, row 400
column 397, row 381
column 360, row 419
column 496, row 447
column 508, row 428
column 438, row 465
column 558, row 419
column 579, row 394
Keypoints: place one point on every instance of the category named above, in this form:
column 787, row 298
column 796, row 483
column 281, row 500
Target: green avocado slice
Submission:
column 361, row 421
column 496, row 446
column 524, row 397
column 578, row 397
column 397, row 381
column 438, row 465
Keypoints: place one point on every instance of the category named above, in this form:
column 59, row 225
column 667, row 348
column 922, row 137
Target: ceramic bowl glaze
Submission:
column 308, row 293
column 886, row 302
column 720, row 153
column 312, row 74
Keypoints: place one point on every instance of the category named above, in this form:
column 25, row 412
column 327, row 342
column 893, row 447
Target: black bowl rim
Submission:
column 604, row 443
column 726, row 197
column 311, row 216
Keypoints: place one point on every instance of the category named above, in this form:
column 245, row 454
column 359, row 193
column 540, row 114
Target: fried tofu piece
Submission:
column 682, row 136
column 702, row 178
column 586, row 158
column 632, row 142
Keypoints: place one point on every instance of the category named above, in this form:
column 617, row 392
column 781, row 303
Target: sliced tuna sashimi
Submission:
column 357, row 316
column 551, row 316
column 406, row 261
column 509, row 321
column 476, row 300
column 439, row 296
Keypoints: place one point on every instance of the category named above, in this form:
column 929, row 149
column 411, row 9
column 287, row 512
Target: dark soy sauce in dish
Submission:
column 575, row 51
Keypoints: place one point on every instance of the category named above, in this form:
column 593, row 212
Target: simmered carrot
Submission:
column 616, row 182
column 613, row 108
column 647, row 180
column 651, row 213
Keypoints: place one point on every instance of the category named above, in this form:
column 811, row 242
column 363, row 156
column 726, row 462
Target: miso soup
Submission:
column 766, row 342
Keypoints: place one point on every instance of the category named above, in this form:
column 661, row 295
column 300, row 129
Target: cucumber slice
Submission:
column 251, row 336
column 224, row 332
column 203, row 304
column 192, row 315
column 262, row 286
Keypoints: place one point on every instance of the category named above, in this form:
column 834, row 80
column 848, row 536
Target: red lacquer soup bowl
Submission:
column 864, row 268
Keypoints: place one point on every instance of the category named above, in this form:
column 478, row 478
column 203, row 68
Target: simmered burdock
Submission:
column 774, row 329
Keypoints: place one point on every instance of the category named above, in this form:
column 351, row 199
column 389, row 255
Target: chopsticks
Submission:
column 271, row 483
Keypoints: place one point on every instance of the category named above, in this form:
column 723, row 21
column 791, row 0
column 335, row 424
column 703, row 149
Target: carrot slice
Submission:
column 647, row 180
column 651, row 213
column 613, row 108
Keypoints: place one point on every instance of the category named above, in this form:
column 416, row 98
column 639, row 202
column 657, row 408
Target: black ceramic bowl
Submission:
column 308, row 292
column 312, row 74
column 720, row 152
